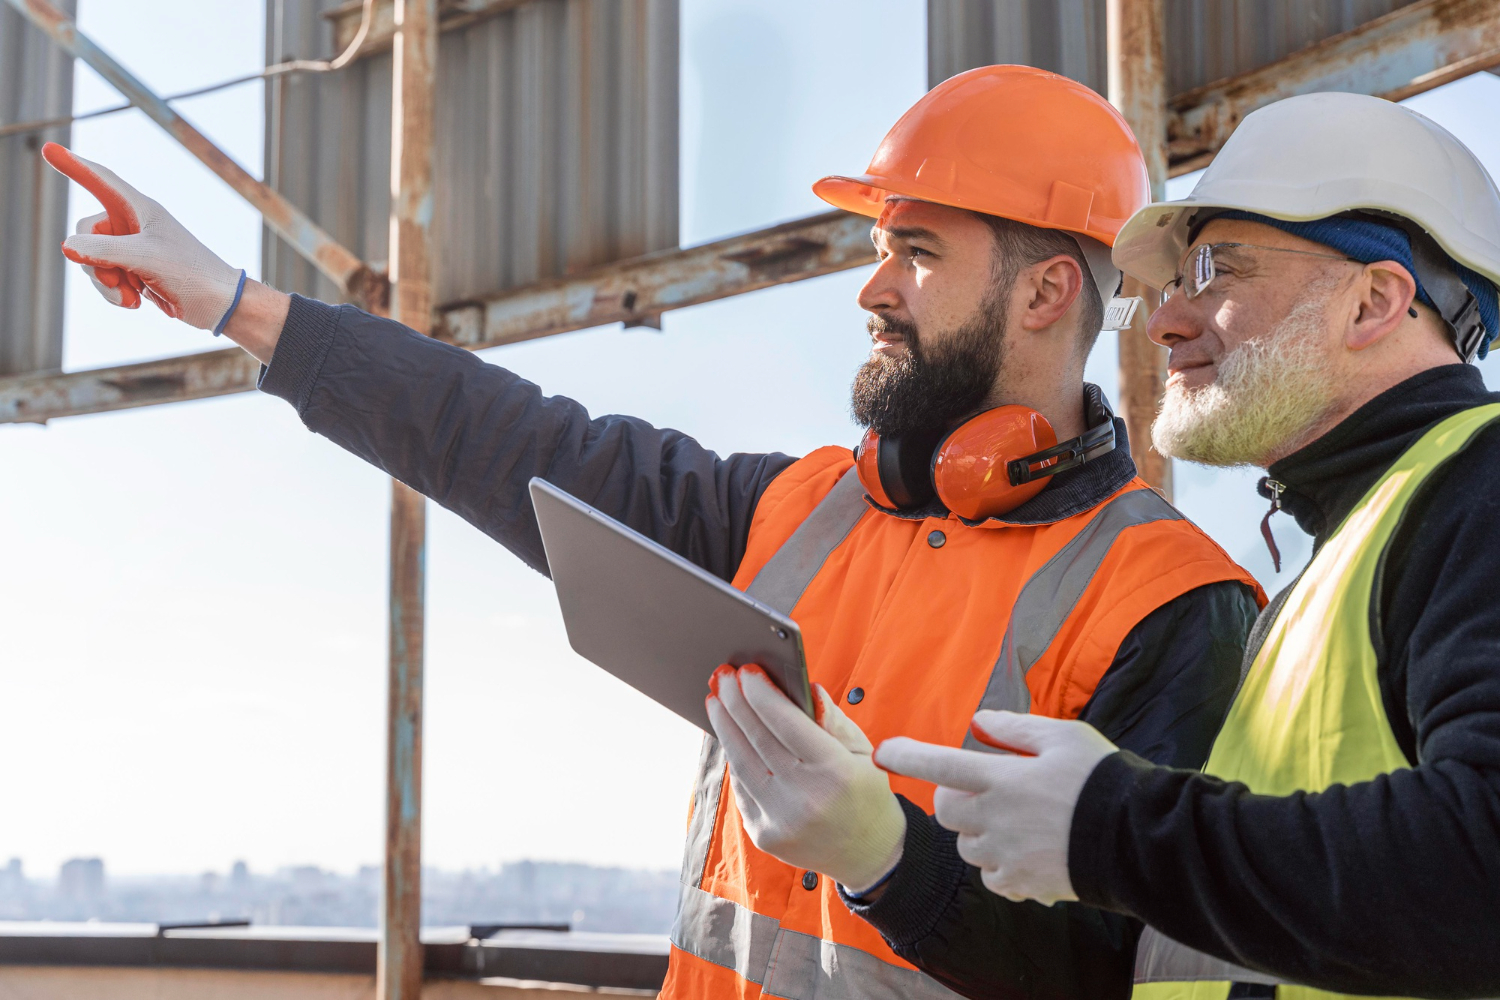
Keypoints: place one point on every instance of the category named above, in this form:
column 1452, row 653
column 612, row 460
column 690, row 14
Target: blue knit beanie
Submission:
column 1367, row 241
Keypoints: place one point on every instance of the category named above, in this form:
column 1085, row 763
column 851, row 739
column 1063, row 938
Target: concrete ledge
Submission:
column 593, row 961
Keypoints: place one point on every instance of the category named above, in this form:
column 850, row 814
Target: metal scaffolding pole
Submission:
column 1137, row 87
column 399, row 963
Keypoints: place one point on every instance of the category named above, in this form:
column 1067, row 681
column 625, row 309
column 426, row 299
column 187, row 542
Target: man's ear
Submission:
column 1053, row 285
column 1386, row 292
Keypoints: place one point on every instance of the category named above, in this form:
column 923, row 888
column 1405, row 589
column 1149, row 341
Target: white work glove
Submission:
column 807, row 791
column 134, row 248
column 1013, row 812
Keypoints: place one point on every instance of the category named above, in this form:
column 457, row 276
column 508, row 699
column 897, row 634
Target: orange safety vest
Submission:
column 931, row 620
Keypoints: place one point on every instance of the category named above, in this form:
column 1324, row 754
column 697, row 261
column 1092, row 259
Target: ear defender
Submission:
column 895, row 471
column 986, row 466
column 972, row 469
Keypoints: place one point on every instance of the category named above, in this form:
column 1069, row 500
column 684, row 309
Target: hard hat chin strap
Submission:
column 1118, row 312
column 1102, row 270
column 1455, row 303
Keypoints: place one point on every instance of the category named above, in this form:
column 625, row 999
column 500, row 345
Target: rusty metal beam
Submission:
column 341, row 266
column 37, row 397
column 1408, row 51
column 629, row 291
column 398, row 962
column 1135, row 39
column 452, row 14
column 640, row 289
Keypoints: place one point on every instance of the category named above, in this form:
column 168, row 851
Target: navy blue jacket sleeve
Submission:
column 470, row 435
column 1164, row 696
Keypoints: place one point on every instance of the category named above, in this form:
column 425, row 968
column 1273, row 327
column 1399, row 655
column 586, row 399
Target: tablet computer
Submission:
column 653, row 619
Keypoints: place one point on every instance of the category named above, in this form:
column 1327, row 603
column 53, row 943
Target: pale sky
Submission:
column 192, row 613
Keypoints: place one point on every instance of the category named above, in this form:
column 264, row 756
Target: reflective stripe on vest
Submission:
column 1309, row 713
column 1159, row 959
column 708, row 794
column 785, row 576
column 779, row 584
column 783, row 963
column 1047, row 599
column 788, row 963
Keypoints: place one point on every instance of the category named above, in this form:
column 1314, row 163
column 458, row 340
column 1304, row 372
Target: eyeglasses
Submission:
column 1202, row 271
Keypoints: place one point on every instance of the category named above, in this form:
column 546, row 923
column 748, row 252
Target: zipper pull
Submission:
column 1265, row 523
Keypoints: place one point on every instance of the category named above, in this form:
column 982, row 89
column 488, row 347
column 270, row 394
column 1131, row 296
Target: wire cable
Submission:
column 350, row 53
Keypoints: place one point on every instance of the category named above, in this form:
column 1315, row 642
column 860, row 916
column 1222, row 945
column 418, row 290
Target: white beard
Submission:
column 1269, row 391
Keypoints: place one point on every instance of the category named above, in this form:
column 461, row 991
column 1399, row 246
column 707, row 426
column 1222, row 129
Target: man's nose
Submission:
column 1174, row 322
column 880, row 292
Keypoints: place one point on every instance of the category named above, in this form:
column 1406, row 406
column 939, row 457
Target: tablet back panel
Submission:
column 653, row 619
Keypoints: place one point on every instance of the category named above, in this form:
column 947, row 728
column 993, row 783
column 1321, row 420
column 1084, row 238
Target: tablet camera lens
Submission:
column 780, row 632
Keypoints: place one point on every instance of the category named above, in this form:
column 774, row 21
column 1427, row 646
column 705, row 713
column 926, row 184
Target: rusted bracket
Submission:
column 1408, row 51
column 353, row 277
column 627, row 292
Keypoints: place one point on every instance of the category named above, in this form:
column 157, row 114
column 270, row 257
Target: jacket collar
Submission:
column 1323, row 481
column 1068, row 493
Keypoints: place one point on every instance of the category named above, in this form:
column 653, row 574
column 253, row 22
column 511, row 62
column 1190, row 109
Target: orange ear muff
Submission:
column 971, row 467
column 897, row 471
column 867, row 466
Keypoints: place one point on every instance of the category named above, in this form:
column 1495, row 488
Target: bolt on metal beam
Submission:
column 341, row 265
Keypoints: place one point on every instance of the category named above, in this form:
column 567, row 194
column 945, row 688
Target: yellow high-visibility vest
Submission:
column 1309, row 714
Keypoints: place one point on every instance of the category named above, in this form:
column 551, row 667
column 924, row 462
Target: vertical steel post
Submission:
column 413, row 109
column 1138, row 88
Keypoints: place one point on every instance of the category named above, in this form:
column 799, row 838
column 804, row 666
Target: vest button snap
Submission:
column 936, row 539
column 856, row 695
column 809, row 880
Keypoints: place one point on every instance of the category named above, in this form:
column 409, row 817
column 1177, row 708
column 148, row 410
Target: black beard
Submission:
column 922, row 390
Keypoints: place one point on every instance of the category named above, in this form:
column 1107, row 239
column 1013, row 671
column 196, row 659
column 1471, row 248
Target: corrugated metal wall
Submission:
column 36, row 83
column 1064, row 36
column 556, row 138
column 1207, row 40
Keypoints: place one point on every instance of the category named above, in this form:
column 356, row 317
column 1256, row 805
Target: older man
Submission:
column 1328, row 282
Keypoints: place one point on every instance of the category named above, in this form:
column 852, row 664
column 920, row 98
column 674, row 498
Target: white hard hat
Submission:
column 1318, row 155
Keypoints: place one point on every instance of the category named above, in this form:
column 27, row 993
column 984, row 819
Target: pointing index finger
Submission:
column 122, row 217
column 965, row 770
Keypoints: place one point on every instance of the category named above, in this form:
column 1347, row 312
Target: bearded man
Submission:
column 1329, row 280
column 966, row 560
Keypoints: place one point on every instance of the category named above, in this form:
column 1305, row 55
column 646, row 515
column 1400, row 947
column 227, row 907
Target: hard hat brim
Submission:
column 866, row 195
column 1152, row 242
column 1154, row 239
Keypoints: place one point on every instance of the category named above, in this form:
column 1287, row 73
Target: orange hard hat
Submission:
column 1012, row 141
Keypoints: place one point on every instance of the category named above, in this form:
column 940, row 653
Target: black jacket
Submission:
column 1391, row 886
column 470, row 435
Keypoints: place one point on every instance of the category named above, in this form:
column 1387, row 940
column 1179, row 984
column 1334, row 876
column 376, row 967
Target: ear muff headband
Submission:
column 1069, row 455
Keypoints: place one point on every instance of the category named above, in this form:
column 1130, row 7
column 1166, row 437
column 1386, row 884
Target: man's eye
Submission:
column 918, row 252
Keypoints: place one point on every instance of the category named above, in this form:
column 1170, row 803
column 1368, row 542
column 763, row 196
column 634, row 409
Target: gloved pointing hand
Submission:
column 136, row 248
column 807, row 791
column 1013, row 814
